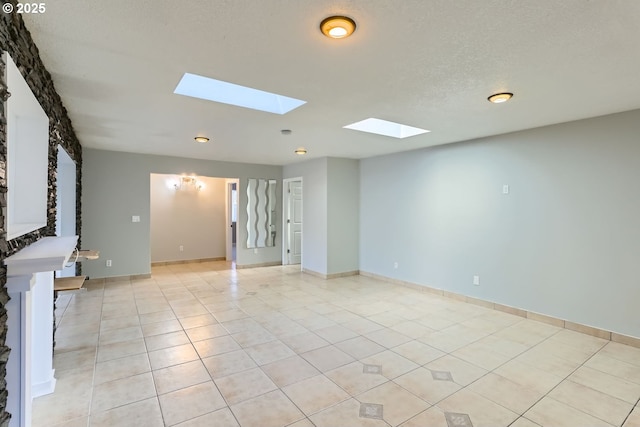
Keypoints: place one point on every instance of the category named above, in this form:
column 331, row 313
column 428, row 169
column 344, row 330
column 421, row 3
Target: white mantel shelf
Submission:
column 47, row 254
column 30, row 370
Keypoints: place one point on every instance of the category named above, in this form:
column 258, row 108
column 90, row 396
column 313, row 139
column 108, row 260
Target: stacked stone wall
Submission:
column 16, row 40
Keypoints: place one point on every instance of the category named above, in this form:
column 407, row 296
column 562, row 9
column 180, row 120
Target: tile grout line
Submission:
column 93, row 378
column 564, row 379
column 450, row 353
column 144, row 340
column 305, row 416
column 191, row 342
column 630, row 412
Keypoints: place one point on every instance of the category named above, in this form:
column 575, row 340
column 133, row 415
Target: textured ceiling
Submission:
column 424, row 63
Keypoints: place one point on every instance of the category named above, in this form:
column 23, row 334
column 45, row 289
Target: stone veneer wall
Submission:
column 16, row 40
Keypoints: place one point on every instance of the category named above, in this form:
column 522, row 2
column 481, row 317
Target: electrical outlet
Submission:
column 476, row 280
column 505, row 189
column 395, row 264
column 109, row 264
column 181, row 248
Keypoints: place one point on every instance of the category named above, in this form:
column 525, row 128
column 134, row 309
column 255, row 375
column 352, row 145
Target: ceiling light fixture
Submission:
column 301, row 151
column 201, row 139
column 188, row 183
column 337, row 27
column 498, row 98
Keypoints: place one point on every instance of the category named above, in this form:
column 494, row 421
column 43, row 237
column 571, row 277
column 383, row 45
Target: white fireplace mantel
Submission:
column 47, row 254
column 30, row 314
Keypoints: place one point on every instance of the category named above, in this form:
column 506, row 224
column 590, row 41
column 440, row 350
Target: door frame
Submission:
column 228, row 203
column 286, row 205
column 66, row 180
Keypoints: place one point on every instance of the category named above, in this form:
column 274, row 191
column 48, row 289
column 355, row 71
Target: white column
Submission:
column 19, row 339
column 30, row 322
column 42, row 379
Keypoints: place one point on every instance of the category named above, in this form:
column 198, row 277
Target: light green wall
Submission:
column 314, row 211
column 330, row 199
column 115, row 186
column 565, row 242
column 343, row 207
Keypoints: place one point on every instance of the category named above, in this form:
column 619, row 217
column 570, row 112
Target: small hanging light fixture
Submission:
column 188, row 182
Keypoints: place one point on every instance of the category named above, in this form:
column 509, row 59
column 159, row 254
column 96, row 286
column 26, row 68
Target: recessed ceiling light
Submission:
column 386, row 128
column 286, row 131
column 337, row 27
column 201, row 139
column 498, row 98
column 233, row 94
column 301, row 151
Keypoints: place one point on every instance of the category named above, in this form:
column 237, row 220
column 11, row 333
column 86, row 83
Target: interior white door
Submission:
column 294, row 221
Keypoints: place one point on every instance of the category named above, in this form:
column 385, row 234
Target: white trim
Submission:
column 227, row 215
column 45, row 387
column 27, row 151
column 285, row 227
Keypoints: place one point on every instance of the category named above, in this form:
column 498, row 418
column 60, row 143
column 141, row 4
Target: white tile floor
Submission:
column 203, row 345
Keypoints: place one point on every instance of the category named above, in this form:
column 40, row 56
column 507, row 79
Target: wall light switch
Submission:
column 476, row 280
column 135, row 218
column 505, row 189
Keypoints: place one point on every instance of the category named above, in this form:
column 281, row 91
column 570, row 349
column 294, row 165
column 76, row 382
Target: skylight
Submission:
column 233, row 94
column 386, row 128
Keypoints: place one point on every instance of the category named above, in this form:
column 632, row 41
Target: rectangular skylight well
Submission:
column 233, row 94
column 386, row 128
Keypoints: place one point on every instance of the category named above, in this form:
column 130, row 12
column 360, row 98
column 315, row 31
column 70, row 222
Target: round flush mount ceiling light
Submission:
column 498, row 98
column 337, row 27
column 201, row 139
column 301, row 151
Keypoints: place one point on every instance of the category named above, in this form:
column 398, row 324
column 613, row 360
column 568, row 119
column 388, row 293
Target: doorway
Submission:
column 187, row 219
column 232, row 187
column 292, row 221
